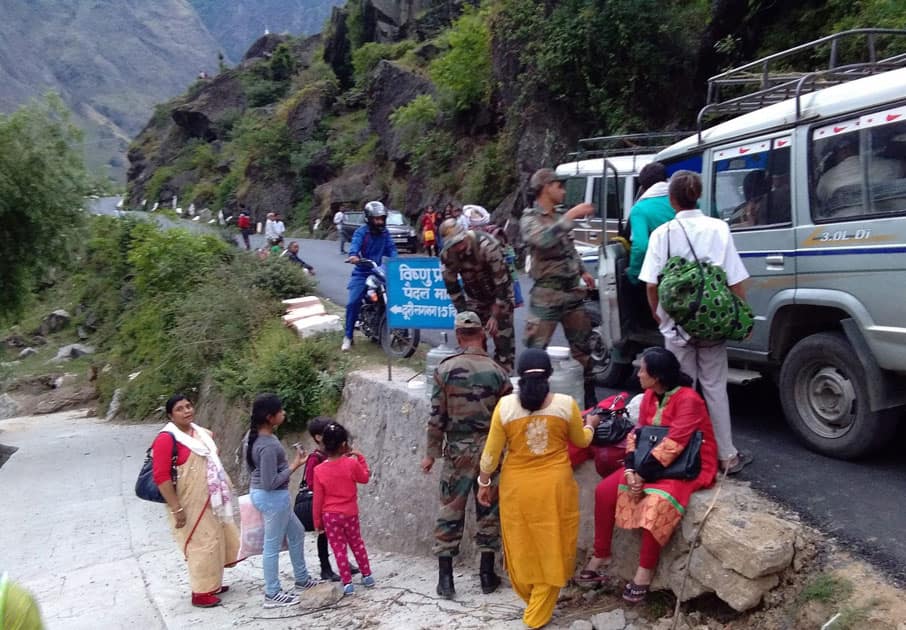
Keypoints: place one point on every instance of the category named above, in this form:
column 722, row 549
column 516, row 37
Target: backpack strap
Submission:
column 173, row 458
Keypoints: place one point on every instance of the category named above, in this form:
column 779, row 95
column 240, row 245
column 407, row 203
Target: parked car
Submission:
column 403, row 234
column 824, row 244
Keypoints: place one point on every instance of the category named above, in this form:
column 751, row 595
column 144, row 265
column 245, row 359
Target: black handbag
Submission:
column 303, row 507
column 615, row 424
column 145, row 488
column 687, row 465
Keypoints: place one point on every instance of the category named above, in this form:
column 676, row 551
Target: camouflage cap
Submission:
column 452, row 232
column 467, row 319
column 542, row 177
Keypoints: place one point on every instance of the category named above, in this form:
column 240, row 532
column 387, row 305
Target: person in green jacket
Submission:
column 650, row 211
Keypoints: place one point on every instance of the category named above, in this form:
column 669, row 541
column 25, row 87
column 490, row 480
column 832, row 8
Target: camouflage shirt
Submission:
column 467, row 387
column 485, row 276
column 547, row 237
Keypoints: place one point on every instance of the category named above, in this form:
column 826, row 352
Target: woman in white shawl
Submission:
column 198, row 493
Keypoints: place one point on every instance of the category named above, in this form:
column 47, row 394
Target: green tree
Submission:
column 463, row 72
column 42, row 183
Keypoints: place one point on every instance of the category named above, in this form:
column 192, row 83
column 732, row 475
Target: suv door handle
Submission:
column 774, row 260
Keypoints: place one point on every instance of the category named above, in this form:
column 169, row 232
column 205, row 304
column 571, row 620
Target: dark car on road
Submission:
column 403, row 234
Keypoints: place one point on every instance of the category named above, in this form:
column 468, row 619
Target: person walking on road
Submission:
column 269, row 491
column 338, row 219
column 244, row 223
column 557, row 270
column 199, row 500
column 429, row 227
column 477, row 260
column 705, row 362
column 270, row 229
column 373, row 242
column 467, row 387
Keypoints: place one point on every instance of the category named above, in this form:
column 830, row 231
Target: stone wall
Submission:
column 745, row 545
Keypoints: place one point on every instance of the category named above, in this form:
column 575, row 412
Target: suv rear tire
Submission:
column 825, row 398
column 606, row 371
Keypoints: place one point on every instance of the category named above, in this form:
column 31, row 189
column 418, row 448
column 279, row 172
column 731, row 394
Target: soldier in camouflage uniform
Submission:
column 487, row 286
column 557, row 269
column 467, row 387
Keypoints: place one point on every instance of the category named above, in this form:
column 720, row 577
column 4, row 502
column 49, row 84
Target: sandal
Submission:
column 735, row 465
column 635, row 593
column 592, row 577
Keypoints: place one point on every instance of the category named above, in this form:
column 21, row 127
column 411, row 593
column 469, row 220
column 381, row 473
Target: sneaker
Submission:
column 347, row 344
column 348, row 589
column 280, row 599
column 304, row 586
column 367, row 581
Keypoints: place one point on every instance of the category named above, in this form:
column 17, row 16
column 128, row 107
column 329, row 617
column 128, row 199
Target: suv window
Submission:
column 858, row 167
column 613, row 196
column 354, row 218
column 752, row 183
column 396, row 218
column 575, row 191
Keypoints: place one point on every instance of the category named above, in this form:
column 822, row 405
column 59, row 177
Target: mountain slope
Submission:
column 111, row 61
column 240, row 22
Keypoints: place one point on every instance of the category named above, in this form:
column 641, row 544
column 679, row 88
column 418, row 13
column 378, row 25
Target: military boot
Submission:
column 445, row 577
column 489, row 579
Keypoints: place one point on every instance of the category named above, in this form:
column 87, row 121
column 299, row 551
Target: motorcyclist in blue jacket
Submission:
column 371, row 241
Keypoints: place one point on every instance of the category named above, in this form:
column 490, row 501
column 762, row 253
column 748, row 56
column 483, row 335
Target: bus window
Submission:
column 858, row 167
column 685, row 163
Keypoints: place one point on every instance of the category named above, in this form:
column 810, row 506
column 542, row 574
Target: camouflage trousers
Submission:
column 549, row 306
column 505, row 341
column 459, row 479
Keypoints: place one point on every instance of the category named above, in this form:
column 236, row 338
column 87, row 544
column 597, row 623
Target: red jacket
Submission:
column 335, row 487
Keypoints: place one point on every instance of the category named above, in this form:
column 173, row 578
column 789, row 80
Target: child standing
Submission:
column 269, row 491
column 305, row 499
column 336, row 507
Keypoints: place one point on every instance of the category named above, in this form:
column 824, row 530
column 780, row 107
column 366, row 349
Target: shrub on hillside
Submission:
column 463, row 72
column 368, row 56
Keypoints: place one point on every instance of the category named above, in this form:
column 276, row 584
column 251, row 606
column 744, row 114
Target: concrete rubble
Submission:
column 307, row 316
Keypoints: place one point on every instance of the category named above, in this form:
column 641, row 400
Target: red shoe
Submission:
column 205, row 600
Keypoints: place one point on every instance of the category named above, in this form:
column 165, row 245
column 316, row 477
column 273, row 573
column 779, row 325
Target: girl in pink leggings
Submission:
column 336, row 508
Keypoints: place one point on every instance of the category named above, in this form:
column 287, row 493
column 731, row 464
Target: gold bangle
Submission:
column 174, row 513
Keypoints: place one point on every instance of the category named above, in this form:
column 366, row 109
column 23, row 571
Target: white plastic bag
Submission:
column 251, row 529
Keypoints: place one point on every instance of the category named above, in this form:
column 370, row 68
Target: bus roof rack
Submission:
column 769, row 80
column 626, row 144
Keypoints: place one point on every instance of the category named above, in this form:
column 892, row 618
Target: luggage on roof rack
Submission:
column 770, row 80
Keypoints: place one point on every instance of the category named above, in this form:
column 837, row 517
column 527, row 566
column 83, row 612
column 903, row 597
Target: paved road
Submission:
column 855, row 502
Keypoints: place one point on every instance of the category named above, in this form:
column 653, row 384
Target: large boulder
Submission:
column 312, row 105
column 391, row 86
column 72, row 351
column 391, row 20
column 264, row 46
column 353, row 186
column 54, row 322
column 203, row 115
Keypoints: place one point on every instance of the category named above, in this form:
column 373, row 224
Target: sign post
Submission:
column 417, row 297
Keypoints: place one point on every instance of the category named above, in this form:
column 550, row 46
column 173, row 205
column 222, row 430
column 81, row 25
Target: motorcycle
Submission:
column 397, row 342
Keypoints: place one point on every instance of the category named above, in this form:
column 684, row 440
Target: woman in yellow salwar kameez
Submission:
column 539, row 498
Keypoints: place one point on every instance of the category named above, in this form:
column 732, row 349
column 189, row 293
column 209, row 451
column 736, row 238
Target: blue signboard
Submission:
column 416, row 295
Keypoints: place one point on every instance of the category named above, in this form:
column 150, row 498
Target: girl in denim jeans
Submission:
column 269, row 492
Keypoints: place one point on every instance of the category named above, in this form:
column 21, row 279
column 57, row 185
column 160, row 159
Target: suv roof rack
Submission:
column 769, row 84
column 626, row 144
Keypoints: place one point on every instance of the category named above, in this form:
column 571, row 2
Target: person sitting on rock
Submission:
column 636, row 496
column 292, row 253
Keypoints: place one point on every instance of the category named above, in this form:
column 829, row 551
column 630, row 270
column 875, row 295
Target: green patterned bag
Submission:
column 695, row 294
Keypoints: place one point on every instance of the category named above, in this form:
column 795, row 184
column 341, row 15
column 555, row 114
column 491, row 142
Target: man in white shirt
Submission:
column 705, row 362
column 279, row 227
column 270, row 228
column 338, row 219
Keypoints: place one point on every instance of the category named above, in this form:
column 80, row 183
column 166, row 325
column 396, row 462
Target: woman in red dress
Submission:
column 626, row 499
column 429, row 231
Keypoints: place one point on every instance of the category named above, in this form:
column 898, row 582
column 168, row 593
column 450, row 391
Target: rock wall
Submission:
column 746, row 542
